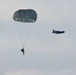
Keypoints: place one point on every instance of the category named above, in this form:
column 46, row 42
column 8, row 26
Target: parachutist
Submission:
column 25, row 16
column 23, row 51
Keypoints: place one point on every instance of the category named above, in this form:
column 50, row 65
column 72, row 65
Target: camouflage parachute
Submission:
column 25, row 15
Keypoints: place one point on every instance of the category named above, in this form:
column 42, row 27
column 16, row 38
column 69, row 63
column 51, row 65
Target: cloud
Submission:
column 53, row 12
column 37, row 72
column 43, row 49
column 54, row 45
column 8, row 44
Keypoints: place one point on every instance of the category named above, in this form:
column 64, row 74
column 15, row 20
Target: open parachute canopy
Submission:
column 25, row 15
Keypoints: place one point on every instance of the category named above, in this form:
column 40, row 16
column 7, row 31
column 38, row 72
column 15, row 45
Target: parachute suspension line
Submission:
column 23, row 44
column 30, row 31
column 19, row 36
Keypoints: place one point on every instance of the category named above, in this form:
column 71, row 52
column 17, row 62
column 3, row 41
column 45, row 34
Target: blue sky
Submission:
column 46, row 53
